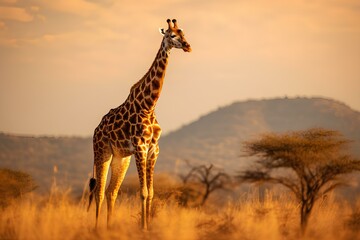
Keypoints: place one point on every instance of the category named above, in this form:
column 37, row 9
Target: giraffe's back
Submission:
column 113, row 132
column 120, row 125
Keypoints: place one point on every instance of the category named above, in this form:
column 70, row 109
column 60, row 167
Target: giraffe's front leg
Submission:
column 150, row 164
column 140, row 157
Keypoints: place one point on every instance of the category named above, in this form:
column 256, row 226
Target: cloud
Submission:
column 76, row 7
column 34, row 8
column 15, row 14
column 102, row 2
column 8, row 1
column 8, row 42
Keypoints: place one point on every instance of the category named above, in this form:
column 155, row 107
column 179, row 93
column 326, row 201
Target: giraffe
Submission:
column 132, row 129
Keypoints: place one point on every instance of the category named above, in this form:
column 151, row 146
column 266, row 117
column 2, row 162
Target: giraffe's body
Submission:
column 132, row 129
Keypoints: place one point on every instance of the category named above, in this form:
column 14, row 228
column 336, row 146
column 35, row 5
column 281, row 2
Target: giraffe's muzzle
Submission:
column 186, row 47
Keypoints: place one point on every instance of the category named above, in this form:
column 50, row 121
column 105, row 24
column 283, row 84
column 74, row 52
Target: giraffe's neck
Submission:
column 145, row 93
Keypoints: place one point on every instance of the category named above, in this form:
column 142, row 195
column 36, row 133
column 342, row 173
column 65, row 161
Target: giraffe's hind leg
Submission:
column 119, row 167
column 102, row 169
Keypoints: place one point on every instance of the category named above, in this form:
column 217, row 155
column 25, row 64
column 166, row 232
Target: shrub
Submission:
column 14, row 184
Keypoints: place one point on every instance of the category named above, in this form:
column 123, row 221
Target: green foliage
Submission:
column 14, row 184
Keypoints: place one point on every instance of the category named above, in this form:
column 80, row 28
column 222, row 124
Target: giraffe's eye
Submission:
column 172, row 36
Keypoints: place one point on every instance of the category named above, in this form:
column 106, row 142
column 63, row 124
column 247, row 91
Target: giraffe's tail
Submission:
column 92, row 185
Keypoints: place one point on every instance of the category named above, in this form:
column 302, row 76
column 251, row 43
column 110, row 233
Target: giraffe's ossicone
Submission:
column 132, row 129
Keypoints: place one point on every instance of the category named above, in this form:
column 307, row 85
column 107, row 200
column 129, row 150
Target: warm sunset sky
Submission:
column 64, row 64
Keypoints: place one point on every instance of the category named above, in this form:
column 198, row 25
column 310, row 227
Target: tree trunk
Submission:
column 205, row 197
column 306, row 207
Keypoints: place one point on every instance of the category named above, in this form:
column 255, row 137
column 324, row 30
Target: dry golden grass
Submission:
column 58, row 216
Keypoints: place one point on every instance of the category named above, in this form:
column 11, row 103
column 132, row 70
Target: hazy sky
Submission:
column 64, row 64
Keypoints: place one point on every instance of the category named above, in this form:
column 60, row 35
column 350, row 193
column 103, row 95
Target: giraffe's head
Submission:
column 174, row 36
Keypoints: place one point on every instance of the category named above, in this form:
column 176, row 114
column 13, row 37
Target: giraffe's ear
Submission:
column 162, row 31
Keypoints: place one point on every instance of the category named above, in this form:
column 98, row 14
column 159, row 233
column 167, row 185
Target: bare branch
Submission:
column 209, row 177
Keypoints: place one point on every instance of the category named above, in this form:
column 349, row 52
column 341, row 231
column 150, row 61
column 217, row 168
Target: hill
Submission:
column 217, row 136
column 38, row 156
column 214, row 138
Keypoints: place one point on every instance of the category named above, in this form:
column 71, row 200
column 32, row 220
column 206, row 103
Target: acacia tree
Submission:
column 209, row 177
column 313, row 160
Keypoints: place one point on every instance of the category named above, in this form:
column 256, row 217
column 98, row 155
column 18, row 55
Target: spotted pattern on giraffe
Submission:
column 132, row 129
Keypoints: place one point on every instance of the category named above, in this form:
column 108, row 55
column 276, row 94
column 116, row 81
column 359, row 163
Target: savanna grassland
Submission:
column 59, row 215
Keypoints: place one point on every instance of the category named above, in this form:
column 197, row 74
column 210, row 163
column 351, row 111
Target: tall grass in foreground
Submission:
column 58, row 216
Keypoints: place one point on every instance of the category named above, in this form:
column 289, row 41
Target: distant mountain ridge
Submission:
column 213, row 138
column 217, row 136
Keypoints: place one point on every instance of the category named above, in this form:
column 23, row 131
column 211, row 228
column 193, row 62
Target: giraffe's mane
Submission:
column 137, row 84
